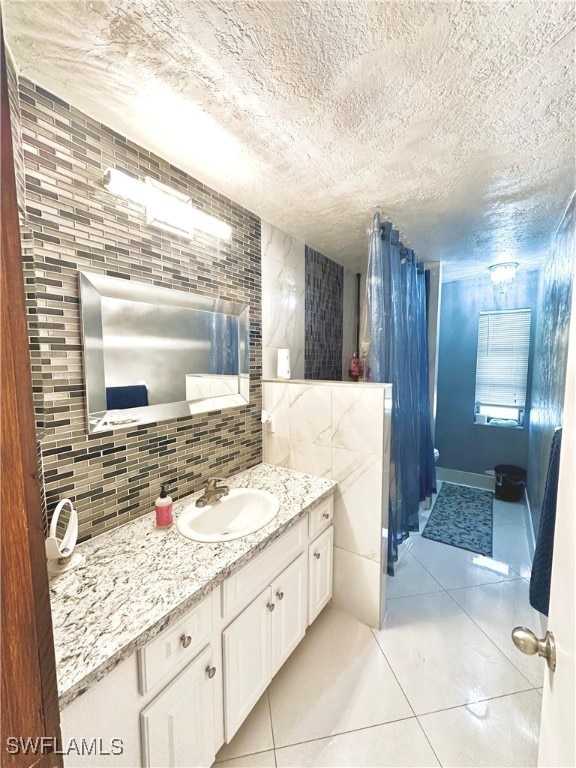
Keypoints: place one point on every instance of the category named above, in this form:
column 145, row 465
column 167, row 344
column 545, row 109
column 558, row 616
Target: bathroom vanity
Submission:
column 164, row 645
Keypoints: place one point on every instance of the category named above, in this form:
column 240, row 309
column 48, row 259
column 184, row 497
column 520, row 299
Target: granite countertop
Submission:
column 136, row 579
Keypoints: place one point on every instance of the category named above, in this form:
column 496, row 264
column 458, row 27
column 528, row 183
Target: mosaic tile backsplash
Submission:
column 72, row 223
column 324, row 304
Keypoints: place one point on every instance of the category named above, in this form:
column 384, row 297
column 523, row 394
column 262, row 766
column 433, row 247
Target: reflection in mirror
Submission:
column 152, row 354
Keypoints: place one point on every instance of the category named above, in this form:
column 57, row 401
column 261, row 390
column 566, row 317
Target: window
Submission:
column 502, row 367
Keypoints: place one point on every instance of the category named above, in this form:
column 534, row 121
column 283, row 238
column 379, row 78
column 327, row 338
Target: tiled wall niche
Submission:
column 72, row 223
column 324, row 307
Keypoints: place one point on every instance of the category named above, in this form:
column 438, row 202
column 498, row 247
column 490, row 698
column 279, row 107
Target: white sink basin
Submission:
column 242, row 511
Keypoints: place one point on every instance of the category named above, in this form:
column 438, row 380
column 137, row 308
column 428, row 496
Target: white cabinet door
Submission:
column 289, row 595
column 319, row 573
column 247, row 653
column 178, row 725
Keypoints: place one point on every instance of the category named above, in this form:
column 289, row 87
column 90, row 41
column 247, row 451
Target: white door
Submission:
column 289, row 593
column 247, row 655
column 557, row 733
column 178, row 725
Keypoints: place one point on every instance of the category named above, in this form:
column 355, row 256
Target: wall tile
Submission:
column 282, row 301
column 357, row 587
column 276, row 450
column 324, row 285
column 355, row 424
column 15, row 126
column 297, row 361
column 313, row 459
column 283, row 281
column 387, row 426
column 282, row 247
column 269, row 360
column 276, row 400
column 317, row 412
column 310, row 414
column 358, row 502
column 73, row 223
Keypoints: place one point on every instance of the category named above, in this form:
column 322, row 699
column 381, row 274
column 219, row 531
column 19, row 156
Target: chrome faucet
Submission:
column 212, row 492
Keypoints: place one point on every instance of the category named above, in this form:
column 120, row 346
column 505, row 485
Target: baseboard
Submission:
column 486, row 482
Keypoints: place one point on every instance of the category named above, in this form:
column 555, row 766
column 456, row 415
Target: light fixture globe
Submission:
column 503, row 274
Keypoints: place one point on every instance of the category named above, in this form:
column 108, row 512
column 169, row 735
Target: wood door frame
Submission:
column 29, row 696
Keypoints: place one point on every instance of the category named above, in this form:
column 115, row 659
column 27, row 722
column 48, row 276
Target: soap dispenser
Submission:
column 163, row 506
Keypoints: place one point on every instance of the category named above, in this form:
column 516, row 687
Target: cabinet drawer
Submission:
column 177, row 645
column 241, row 587
column 321, row 517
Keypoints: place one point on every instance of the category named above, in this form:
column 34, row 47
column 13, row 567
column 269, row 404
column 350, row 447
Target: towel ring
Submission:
column 60, row 552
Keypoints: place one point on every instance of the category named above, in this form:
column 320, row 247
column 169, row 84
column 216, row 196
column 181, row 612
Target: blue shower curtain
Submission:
column 398, row 354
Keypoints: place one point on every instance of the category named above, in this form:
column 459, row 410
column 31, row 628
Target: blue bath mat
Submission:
column 462, row 517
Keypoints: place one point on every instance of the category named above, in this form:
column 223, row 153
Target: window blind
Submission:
column 502, row 357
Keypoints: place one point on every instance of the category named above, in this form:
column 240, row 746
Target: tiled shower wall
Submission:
column 72, row 223
column 324, row 291
column 282, row 300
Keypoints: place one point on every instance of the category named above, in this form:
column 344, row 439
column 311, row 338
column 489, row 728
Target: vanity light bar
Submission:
column 123, row 185
column 166, row 208
column 210, row 225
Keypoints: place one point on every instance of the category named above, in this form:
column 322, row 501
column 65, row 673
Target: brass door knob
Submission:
column 280, row 595
column 270, row 606
column 185, row 640
column 325, row 515
column 210, row 671
column 317, row 555
column 527, row 642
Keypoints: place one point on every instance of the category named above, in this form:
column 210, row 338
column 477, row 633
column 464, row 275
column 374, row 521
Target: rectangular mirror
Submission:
column 152, row 354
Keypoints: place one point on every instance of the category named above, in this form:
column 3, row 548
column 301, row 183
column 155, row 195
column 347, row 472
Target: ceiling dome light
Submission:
column 503, row 274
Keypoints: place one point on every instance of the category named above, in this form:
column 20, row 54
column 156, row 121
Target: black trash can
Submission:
column 510, row 482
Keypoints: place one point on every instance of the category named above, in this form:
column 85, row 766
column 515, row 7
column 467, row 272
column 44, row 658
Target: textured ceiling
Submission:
column 455, row 119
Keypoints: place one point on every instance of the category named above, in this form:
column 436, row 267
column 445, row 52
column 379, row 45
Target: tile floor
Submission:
column 440, row 684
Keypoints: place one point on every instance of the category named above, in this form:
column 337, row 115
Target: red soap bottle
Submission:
column 163, row 506
column 355, row 369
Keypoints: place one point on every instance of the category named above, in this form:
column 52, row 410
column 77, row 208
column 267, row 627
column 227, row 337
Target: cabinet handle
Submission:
column 326, row 515
column 210, row 671
column 270, row 606
column 280, row 595
column 185, row 640
column 317, row 555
